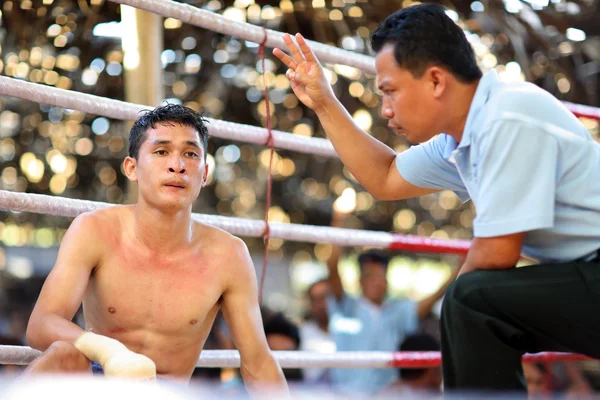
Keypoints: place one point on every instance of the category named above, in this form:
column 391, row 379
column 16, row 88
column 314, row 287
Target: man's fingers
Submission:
column 290, row 74
column 296, row 54
column 287, row 60
column 306, row 50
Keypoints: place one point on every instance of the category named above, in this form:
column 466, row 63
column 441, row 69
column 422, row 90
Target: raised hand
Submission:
column 308, row 81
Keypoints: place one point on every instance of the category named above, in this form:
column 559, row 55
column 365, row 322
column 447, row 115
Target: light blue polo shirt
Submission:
column 356, row 324
column 528, row 165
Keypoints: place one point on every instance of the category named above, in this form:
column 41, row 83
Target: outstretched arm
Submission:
column 262, row 375
column 335, row 281
column 372, row 162
column 424, row 306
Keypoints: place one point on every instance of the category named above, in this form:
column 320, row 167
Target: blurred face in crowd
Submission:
column 317, row 296
column 373, row 281
column 278, row 342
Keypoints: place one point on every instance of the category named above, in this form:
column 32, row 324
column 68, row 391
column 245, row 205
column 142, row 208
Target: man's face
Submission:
column 373, row 281
column 318, row 301
column 170, row 169
column 410, row 104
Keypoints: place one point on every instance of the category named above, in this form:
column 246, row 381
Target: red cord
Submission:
column 270, row 143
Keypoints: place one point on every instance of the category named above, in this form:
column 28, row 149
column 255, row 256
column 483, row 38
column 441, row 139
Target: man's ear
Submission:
column 438, row 78
column 205, row 175
column 130, row 168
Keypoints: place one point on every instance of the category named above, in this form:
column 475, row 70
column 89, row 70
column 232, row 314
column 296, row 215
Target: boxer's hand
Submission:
column 116, row 359
column 308, row 80
column 127, row 364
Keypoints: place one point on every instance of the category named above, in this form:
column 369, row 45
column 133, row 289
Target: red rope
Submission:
column 428, row 359
column 270, row 143
column 422, row 244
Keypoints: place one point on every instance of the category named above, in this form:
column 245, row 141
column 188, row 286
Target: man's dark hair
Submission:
column 278, row 324
column 169, row 114
column 422, row 36
column 373, row 256
column 417, row 342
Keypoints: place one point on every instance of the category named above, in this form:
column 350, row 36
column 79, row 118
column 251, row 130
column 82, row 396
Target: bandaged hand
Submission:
column 116, row 359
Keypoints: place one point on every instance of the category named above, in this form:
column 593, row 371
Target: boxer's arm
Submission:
column 242, row 313
column 63, row 290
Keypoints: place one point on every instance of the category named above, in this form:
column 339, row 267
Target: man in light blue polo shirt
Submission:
column 528, row 165
column 371, row 322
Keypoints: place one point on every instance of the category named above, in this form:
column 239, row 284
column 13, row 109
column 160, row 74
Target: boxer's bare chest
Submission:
column 137, row 288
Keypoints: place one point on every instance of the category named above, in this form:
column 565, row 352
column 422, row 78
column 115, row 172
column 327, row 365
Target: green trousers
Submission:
column 491, row 317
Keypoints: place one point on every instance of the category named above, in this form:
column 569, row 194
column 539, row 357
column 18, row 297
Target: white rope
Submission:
column 23, row 355
column 128, row 111
column 252, row 33
column 303, row 359
column 61, row 206
column 582, row 109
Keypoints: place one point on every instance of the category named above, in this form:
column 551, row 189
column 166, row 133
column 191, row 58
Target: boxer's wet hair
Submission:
column 424, row 36
column 167, row 115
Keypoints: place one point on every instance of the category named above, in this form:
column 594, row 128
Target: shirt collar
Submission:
column 484, row 87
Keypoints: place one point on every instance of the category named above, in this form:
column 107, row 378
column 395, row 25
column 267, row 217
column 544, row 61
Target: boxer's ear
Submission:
column 130, row 168
column 205, row 177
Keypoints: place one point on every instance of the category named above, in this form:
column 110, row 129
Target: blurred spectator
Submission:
column 422, row 383
column 371, row 322
column 425, row 379
column 315, row 331
column 283, row 335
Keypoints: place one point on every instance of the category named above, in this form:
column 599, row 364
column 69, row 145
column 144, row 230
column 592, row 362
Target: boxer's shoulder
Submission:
column 204, row 233
column 227, row 251
column 99, row 226
column 105, row 216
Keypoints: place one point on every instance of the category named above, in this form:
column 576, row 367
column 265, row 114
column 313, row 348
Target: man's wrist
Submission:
column 323, row 110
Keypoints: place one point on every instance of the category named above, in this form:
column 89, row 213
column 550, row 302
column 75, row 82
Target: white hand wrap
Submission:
column 116, row 359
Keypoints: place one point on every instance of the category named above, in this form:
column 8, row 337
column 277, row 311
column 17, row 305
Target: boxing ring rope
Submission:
column 65, row 207
column 243, row 30
column 23, row 355
column 116, row 109
column 121, row 110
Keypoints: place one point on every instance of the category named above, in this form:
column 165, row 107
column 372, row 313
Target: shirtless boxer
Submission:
column 150, row 278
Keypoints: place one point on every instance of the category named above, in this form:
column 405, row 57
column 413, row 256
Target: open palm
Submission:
column 306, row 75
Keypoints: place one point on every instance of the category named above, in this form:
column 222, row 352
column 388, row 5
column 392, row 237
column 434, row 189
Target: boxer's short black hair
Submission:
column 167, row 114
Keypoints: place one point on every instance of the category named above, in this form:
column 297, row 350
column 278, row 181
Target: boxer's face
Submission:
column 412, row 105
column 171, row 168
